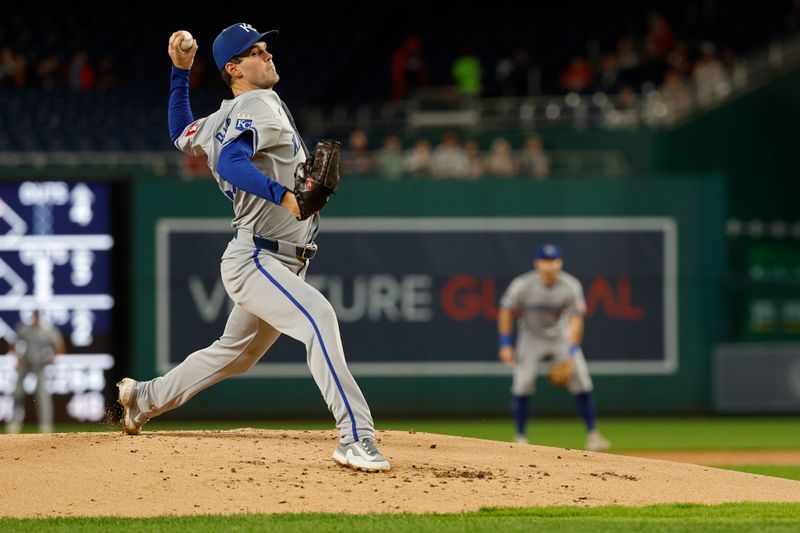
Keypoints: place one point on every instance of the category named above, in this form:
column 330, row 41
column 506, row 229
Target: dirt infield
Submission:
column 249, row 470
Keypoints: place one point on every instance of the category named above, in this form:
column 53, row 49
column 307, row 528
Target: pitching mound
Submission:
column 249, row 470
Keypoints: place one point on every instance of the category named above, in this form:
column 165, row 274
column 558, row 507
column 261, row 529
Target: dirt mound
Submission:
column 249, row 470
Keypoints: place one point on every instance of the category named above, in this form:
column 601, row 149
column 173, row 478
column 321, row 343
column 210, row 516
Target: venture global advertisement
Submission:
column 420, row 296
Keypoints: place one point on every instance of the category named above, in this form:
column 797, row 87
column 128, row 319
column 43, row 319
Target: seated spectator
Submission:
column 449, row 159
column 676, row 95
column 417, row 161
column 475, row 169
column 533, row 161
column 500, row 161
column 607, row 80
column 626, row 112
column 8, row 67
column 48, row 71
column 80, row 75
column 390, row 158
column 678, row 60
column 356, row 159
column 107, row 78
column 578, row 76
column 711, row 80
column 628, row 61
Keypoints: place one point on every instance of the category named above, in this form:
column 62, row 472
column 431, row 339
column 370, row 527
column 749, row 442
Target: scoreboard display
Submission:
column 55, row 258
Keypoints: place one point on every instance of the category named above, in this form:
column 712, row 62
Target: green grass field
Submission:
column 750, row 433
column 625, row 434
column 754, row 518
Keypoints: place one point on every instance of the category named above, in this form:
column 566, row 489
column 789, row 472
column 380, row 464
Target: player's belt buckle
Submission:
column 308, row 251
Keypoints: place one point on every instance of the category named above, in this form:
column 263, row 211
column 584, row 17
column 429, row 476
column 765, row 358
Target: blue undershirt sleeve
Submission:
column 235, row 167
column 180, row 112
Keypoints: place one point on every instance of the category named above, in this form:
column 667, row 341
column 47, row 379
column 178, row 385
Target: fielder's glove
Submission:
column 561, row 372
column 317, row 178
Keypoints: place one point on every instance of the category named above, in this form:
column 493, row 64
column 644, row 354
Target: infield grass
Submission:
column 743, row 517
column 734, row 433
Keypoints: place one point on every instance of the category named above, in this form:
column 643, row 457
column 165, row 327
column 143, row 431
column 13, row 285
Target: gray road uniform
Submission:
column 262, row 273
column 36, row 346
column 542, row 328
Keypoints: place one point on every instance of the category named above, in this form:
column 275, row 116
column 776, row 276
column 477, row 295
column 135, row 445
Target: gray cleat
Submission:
column 361, row 455
column 132, row 418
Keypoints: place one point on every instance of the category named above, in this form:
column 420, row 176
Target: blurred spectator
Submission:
column 475, row 168
column 513, row 74
column 676, row 95
column 533, row 161
column 8, row 66
column 417, row 161
column 195, row 167
column 357, row 160
column 660, row 38
column 627, row 59
column 390, row 158
column 500, row 161
column 735, row 68
column 106, row 75
column 608, row 78
column 467, row 73
column 20, row 78
column 577, row 76
column 449, row 159
column 409, row 69
column 678, row 59
column 48, row 71
column 711, row 80
column 198, row 73
column 625, row 114
column 80, row 76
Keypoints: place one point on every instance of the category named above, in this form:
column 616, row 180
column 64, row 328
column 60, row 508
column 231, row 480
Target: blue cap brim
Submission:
column 267, row 37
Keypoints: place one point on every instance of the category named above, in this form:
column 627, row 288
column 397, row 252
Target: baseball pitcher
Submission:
column 276, row 188
column 548, row 307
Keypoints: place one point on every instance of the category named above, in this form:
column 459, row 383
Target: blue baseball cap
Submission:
column 235, row 40
column 548, row 251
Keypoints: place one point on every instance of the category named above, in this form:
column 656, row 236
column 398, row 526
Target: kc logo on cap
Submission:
column 235, row 40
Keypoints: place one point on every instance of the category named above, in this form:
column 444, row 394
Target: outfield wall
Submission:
column 649, row 252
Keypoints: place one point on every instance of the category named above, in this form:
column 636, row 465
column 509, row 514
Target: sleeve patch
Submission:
column 244, row 122
column 192, row 129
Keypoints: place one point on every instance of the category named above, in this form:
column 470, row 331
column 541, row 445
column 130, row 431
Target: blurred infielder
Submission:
column 262, row 166
column 548, row 306
column 36, row 347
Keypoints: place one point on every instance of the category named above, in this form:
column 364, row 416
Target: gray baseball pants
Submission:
column 271, row 297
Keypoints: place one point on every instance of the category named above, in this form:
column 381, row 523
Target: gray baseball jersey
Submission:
column 543, row 328
column 268, row 288
column 277, row 152
column 37, row 345
column 544, row 308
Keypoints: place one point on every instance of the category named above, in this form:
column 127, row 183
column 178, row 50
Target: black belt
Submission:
column 301, row 252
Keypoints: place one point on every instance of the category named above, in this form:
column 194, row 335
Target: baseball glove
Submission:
column 561, row 372
column 316, row 179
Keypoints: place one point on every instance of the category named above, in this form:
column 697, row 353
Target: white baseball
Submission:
column 187, row 41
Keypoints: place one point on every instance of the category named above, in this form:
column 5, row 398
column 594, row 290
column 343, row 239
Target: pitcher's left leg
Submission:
column 293, row 307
